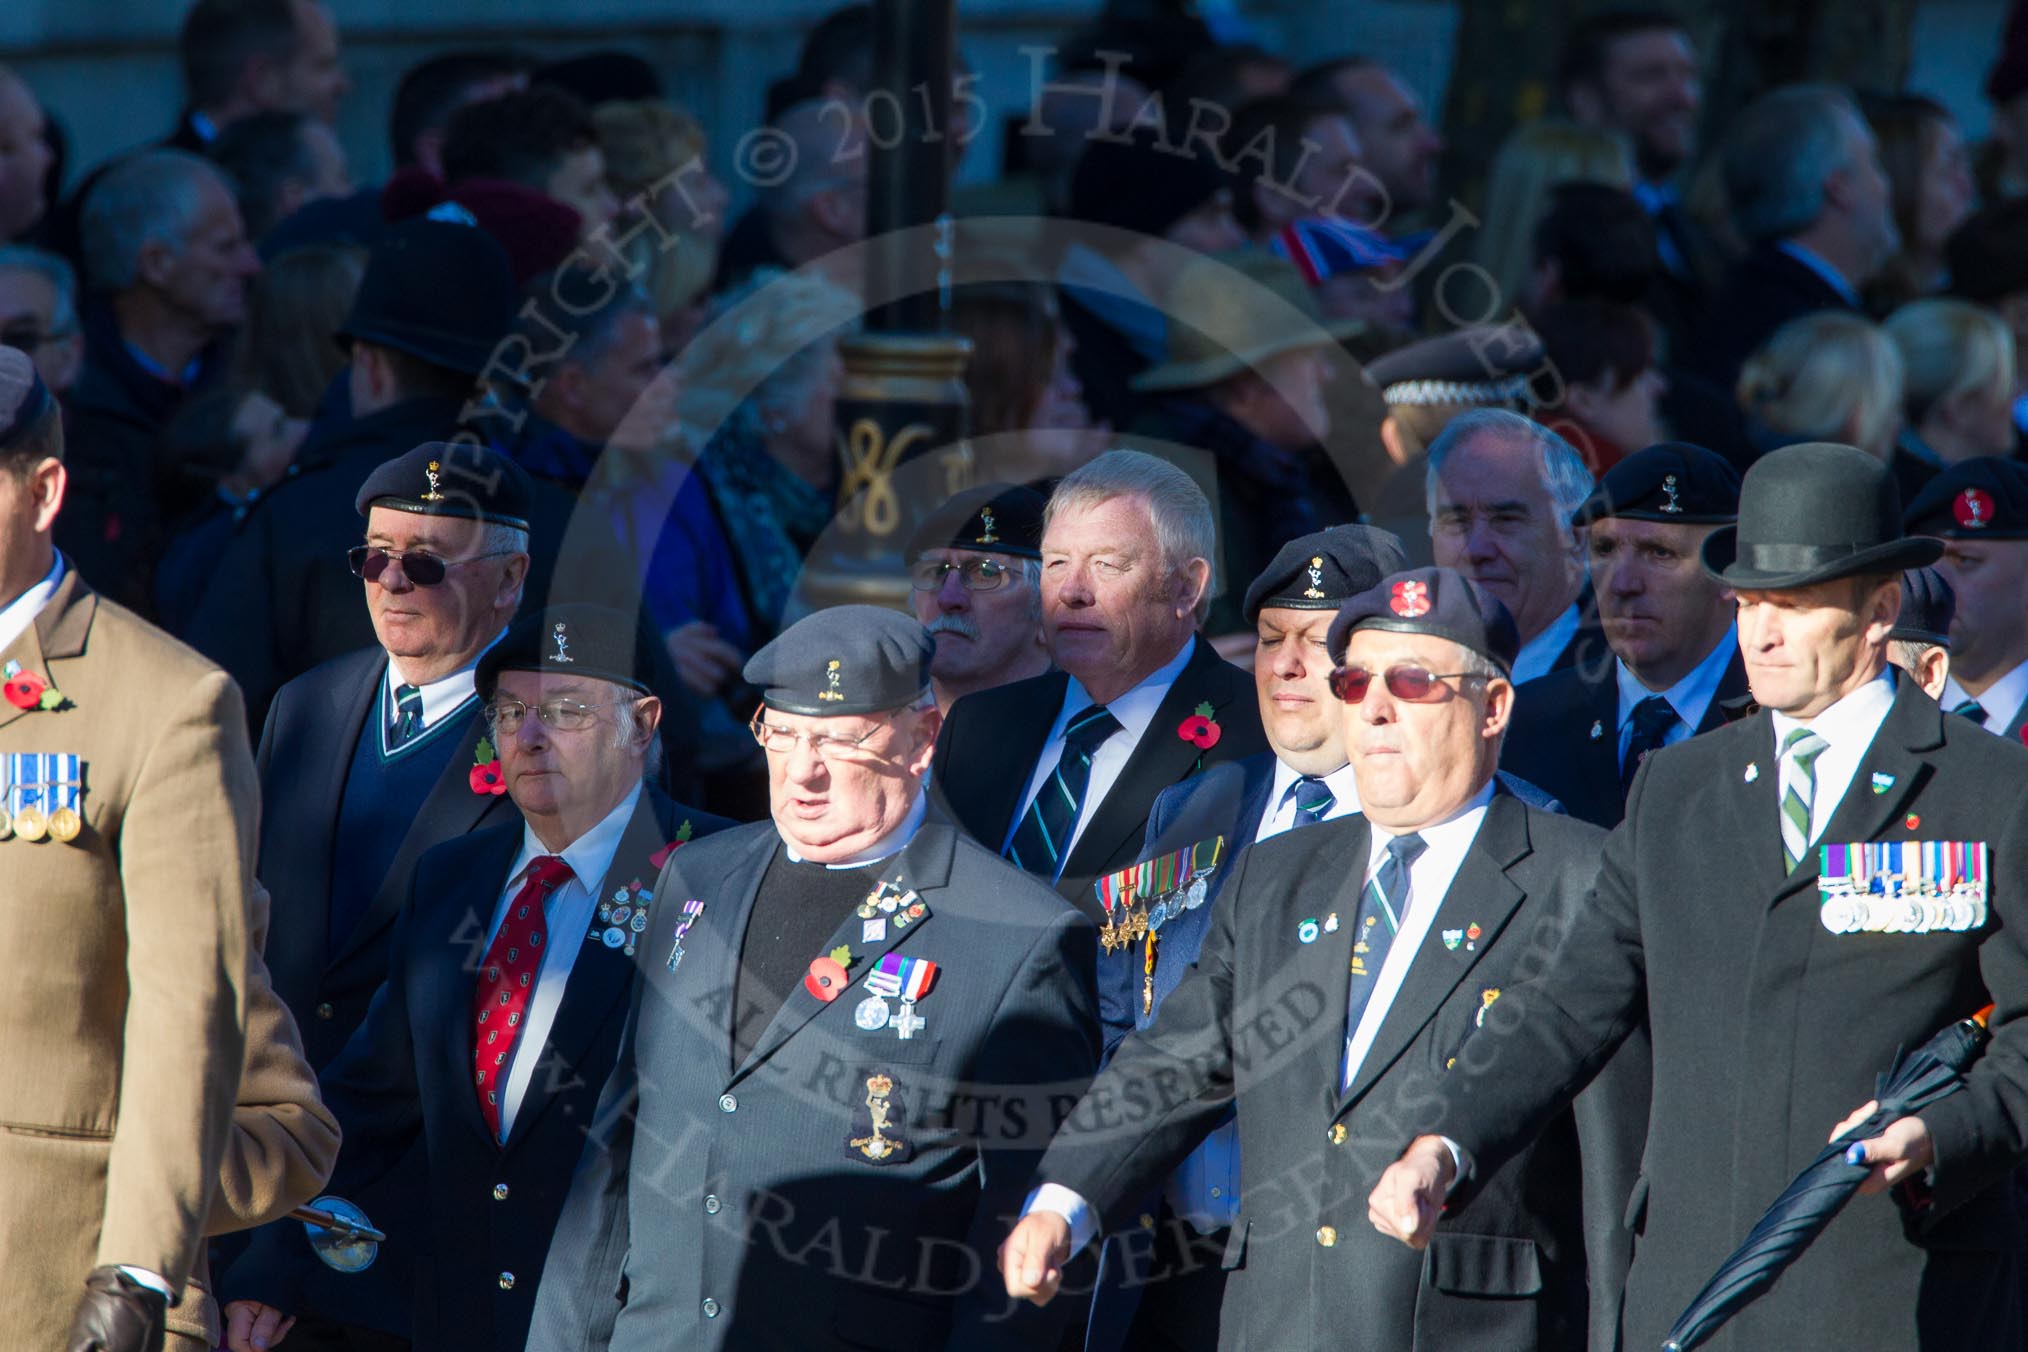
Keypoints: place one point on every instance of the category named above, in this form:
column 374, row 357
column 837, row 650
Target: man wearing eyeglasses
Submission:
column 507, row 982
column 38, row 313
column 852, row 1031
column 371, row 759
column 1349, row 965
column 975, row 570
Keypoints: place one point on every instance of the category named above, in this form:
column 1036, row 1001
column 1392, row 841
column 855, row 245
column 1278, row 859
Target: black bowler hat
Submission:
column 1434, row 601
column 440, row 291
column 451, row 478
column 1325, row 569
column 1980, row 499
column 845, row 660
column 1927, row 607
column 1673, row 482
column 1811, row 513
column 571, row 640
column 999, row 518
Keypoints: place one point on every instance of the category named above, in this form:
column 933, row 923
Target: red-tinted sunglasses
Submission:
column 423, row 569
column 1408, row 683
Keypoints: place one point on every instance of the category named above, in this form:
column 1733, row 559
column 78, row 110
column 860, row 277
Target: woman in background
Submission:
column 1958, row 396
column 1929, row 178
column 1828, row 376
column 655, row 163
column 1028, row 418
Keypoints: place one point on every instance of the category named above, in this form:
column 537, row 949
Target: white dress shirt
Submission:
column 1134, row 710
column 1690, row 697
column 2002, row 699
column 18, row 614
column 1849, row 726
column 570, row 911
column 1428, row 879
column 1281, row 805
column 1538, row 655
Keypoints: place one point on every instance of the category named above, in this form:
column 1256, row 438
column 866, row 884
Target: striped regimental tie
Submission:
column 1800, row 750
column 1043, row 838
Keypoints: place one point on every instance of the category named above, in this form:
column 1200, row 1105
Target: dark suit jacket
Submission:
column 408, row 1070
column 1768, row 1029
column 1260, row 1023
column 1549, row 741
column 1760, row 293
column 991, row 741
column 729, row 1207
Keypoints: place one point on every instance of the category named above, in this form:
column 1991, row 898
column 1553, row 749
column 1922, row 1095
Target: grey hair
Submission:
column 1778, row 155
column 55, row 270
column 815, row 166
column 1177, row 507
column 1472, row 662
column 1908, row 653
column 627, row 727
column 151, row 198
column 1563, row 469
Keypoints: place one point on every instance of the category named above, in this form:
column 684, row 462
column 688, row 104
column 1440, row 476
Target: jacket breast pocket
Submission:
column 1478, row 1291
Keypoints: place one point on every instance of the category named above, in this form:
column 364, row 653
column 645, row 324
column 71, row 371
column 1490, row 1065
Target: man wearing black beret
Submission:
column 1347, row 963
column 849, row 1025
column 371, row 759
column 1793, row 900
column 507, row 981
column 975, row 573
column 1581, row 731
column 1979, row 509
column 1920, row 642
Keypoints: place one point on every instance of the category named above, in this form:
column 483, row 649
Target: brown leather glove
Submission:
column 117, row 1314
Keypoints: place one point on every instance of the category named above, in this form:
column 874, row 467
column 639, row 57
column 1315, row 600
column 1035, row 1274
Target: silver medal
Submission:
column 871, row 1014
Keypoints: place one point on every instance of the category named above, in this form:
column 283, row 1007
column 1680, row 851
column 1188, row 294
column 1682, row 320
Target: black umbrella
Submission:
column 1821, row 1190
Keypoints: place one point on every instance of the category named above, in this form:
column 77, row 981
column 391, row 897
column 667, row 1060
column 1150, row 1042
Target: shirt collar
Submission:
column 1343, row 784
column 1135, row 708
column 1538, row 655
column 17, row 615
column 2003, row 698
column 1451, row 835
column 443, row 697
column 1818, row 264
column 1690, row 697
column 894, row 842
column 1654, row 196
column 590, row 856
column 1856, row 717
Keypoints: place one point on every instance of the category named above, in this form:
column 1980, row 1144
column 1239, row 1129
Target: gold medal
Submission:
column 30, row 824
column 64, row 825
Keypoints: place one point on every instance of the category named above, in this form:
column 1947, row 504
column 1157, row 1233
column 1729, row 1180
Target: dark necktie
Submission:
column 1313, row 799
column 507, row 981
column 1381, row 907
column 1973, row 710
column 408, row 715
column 1043, row 838
column 1653, row 720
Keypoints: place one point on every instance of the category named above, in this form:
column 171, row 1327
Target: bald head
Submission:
column 25, row 157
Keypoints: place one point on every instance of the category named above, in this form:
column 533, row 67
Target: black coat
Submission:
column 1760, row 293
column 992, row 739
column 1550, row 742
column 1261, row 1023
column 728, row 1208
column 1768, row 1029
column 408, row 1071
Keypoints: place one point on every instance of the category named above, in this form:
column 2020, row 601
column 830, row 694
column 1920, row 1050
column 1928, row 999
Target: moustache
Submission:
column 961, row 625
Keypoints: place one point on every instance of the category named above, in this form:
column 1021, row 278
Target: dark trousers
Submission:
column 1178, row 1311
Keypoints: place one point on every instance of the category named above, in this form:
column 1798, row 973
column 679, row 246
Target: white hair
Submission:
column 1177, row 507
column 627, row 729
column 151, row 198
column 1563, row 469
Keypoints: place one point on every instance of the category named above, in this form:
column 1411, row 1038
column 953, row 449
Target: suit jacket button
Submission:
column 727, row 1103
column 710, row 1308
column 1327, row 1235
column 325, row 1012
column 711, row 1206
column 499, row 1192
column 1337, row 1133
column 506, row 1281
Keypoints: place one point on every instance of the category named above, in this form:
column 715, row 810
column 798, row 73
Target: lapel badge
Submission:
column 661, row 856
column 1911, row 821
column 1452, row 938
column 1307, row 932
column 1882, row 783
column 1486, row 999
column 826, row 978
column 486, row 777
column 1472, row 933
column 1752, row 771
column 873, row 931
column 1201, row 729
column 884, row 1118
column 691, row 910
column 1331, row 923
column 831, row 679
column 562, row 653
column 1315, row 591
column 1597, row 728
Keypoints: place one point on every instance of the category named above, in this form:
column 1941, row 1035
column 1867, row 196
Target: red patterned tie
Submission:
column 507, row 980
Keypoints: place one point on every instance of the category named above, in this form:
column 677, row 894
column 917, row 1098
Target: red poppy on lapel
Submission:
column 661, row 856
column 1201, row 728
column 24, row 689
column 486, row 776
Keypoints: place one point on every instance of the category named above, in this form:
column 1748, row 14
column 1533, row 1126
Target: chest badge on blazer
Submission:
column 622, row 920
column 40, row 797
column 879, row 1128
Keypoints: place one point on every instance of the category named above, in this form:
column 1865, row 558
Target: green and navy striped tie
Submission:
column 1043, row 838
column 408, row 717
column 1800, row 750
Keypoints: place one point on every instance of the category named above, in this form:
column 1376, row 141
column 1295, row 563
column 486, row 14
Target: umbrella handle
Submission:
column 325, row 1220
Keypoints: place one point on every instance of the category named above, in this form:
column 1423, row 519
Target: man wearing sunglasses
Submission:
column 371, row 759
column 852, row 1030
column 974, row 569
column 507, row 982
column 1349, row 964
column 1770, row 904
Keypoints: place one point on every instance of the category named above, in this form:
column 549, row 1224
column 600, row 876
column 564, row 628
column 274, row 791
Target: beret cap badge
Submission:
column 831, row 677
column 1973, row 509
column 1411, row 599
column 986, row 536
column 1672, row 506
column 562, row 644
column 434, row 495
column 1315, row 591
